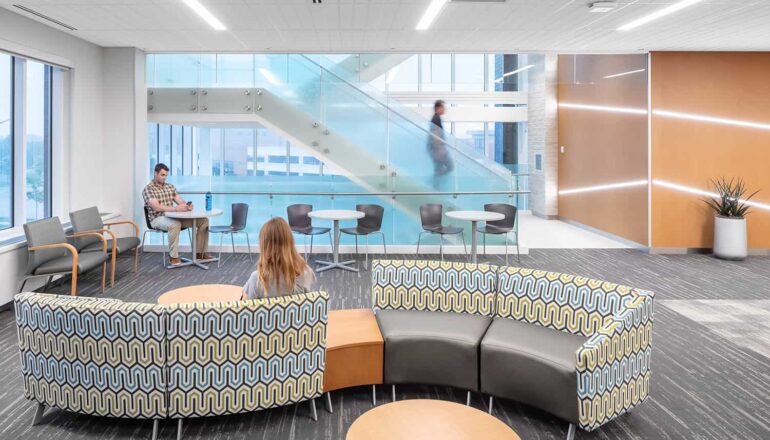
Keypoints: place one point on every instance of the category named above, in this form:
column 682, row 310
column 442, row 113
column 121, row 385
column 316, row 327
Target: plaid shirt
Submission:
column 164, row 194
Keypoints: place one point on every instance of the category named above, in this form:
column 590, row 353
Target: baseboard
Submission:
column 373, row 249
column 606, row 234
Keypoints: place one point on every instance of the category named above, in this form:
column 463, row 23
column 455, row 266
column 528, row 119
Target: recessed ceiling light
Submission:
column 430, row 14
column 204, row 13
column 658, row 14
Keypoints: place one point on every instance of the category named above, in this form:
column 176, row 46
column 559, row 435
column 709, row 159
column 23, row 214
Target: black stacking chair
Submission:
column 300, row 223
column 430, row 217
column 501, row 227
column 369, row 224
column 52, row 253
column 159, row 231
column 89, row 220
column 240, row 212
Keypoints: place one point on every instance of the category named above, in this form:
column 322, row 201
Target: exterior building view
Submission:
column 454, row 219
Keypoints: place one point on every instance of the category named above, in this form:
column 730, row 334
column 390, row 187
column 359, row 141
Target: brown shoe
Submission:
column 174, row 261
column 203, row 256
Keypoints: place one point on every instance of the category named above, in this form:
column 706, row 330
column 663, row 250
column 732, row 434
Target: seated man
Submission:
column 159, row 197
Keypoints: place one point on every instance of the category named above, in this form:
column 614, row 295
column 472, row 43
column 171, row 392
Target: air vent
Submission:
column 45, row 17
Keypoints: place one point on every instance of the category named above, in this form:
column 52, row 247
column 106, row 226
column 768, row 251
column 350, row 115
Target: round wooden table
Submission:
column 202, row 293
column 428, row 419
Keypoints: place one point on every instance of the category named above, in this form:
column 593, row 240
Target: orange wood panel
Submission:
column 604, row 147
column 354, row 349
column 733, row 85
column 420, row 419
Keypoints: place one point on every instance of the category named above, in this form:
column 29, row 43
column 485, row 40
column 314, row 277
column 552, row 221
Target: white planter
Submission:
column 730, row 238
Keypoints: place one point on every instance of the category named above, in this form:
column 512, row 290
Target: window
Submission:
column 38, row 135
column 436, row 72
column 469, row 72
column 6, row 142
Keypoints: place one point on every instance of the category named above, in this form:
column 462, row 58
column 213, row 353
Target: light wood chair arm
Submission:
column 66, row 246
column 125, row 222
column 97, row 233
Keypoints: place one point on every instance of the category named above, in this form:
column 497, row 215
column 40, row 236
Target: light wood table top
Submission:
column 428, row 420
column 202, row 293
column 352, row 327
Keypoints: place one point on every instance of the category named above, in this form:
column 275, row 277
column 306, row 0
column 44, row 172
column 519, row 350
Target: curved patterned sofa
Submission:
column 574, row 347
column 111, row 358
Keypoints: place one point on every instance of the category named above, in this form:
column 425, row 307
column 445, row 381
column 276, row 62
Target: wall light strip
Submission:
column 604, row 187
column 700, row 192
column 658, row 14
column 603, row 108
column 514, row 72
column 204, row 13
column 617, row 75
column 430, row 14
column 715, row 120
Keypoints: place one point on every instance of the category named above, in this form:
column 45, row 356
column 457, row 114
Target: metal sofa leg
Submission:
column 313, row 413
column 374, row 395
column 393, row 391
column 571, row 432
column 155, row 424
column 491, row 400
column 329, row 403
column 468, row 399
column 38, row 414
column 179, row 430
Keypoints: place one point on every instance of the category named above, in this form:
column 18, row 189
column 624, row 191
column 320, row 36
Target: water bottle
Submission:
column 208, row 201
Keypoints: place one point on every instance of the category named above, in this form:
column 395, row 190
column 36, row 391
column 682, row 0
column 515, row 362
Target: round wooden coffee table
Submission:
column 428, row 419
column 202, row 293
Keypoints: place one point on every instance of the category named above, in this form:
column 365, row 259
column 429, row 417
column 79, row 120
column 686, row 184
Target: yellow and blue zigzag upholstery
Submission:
column 434, row 286
column 228, row 358
column 613, row 366
column 93, row 356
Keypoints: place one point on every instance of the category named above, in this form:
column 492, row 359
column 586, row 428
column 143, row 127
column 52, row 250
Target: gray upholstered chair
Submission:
column 51, row 254
column 89, row 220
column 430, row 217
column 240, row 213
column 501, row 227
column 369, row 224
column 300, row 223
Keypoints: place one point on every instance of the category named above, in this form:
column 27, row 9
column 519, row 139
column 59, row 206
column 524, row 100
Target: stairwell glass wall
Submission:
column 317, row 126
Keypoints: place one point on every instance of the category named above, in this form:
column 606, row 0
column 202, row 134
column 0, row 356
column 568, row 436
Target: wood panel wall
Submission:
column 604, row 147
column 691, row 153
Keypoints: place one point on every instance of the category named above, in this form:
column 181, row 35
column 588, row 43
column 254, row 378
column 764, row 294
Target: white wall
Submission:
column 82, row 174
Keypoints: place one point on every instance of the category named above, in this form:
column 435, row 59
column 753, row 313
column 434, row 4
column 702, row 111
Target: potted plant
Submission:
column 731, row 209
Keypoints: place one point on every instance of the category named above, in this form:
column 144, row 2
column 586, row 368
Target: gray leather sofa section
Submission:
column 432, row 347
column 541, row 360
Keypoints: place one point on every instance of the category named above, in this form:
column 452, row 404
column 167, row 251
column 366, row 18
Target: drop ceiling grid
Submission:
column 381, row 25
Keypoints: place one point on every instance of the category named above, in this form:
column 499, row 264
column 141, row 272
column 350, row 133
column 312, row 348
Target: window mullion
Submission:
column 19, row 141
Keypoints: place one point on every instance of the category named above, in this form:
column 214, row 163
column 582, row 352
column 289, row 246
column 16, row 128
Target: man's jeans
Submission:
column 173, row 226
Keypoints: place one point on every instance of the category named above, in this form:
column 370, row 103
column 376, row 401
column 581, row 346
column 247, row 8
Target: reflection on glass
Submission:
column 6, row 143
column 37, row 185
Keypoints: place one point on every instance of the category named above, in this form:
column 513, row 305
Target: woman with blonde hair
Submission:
column 280, row 269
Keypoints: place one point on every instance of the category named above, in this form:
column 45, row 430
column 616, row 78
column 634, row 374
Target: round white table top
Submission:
column 336, row 214
column 475, row 216
column 195, row 213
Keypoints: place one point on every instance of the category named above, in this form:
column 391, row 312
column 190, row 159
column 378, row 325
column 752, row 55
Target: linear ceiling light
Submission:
column 204, row 13
column 625, row 73
column 604, row 187
column 700, row 192
column 603, row 108
column 430, row 14
column 658, row 14
column 514, row 72
column 701, row 118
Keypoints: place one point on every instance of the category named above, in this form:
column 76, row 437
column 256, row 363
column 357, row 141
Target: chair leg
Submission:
column 491, row 400
column 38, row 414
column 571, row 432
column 374, row 395
column 484, row 237
column 221, row 238
column 468, row 399
column 366, row 261
column 419, row 237
column 518, row 254
column 136, row 259
column 329, row 403
column 248, row 245
column 356, row 237
column 163, row 243
column 23, row 283
column 104, row 274
column 144, row 236
column 47, row 281
column 313, row 414
column 232, row 241
column 311, row 244
column 179, row 430
column 155, row 424
column 384, row 246
column 465, row 248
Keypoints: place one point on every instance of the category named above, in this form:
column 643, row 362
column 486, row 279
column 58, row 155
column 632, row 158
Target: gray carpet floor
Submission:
column 707, row 383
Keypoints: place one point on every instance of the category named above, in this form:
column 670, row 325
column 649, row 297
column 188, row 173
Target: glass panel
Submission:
column 234, row 70
column 469, row 72
column 152, row 145
column 177, row 159
column 238, row 144
column 177, row 70
column 6, row 142
column 164, row 144
column 436, row 72
column 471, row 133
column 38, row 140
